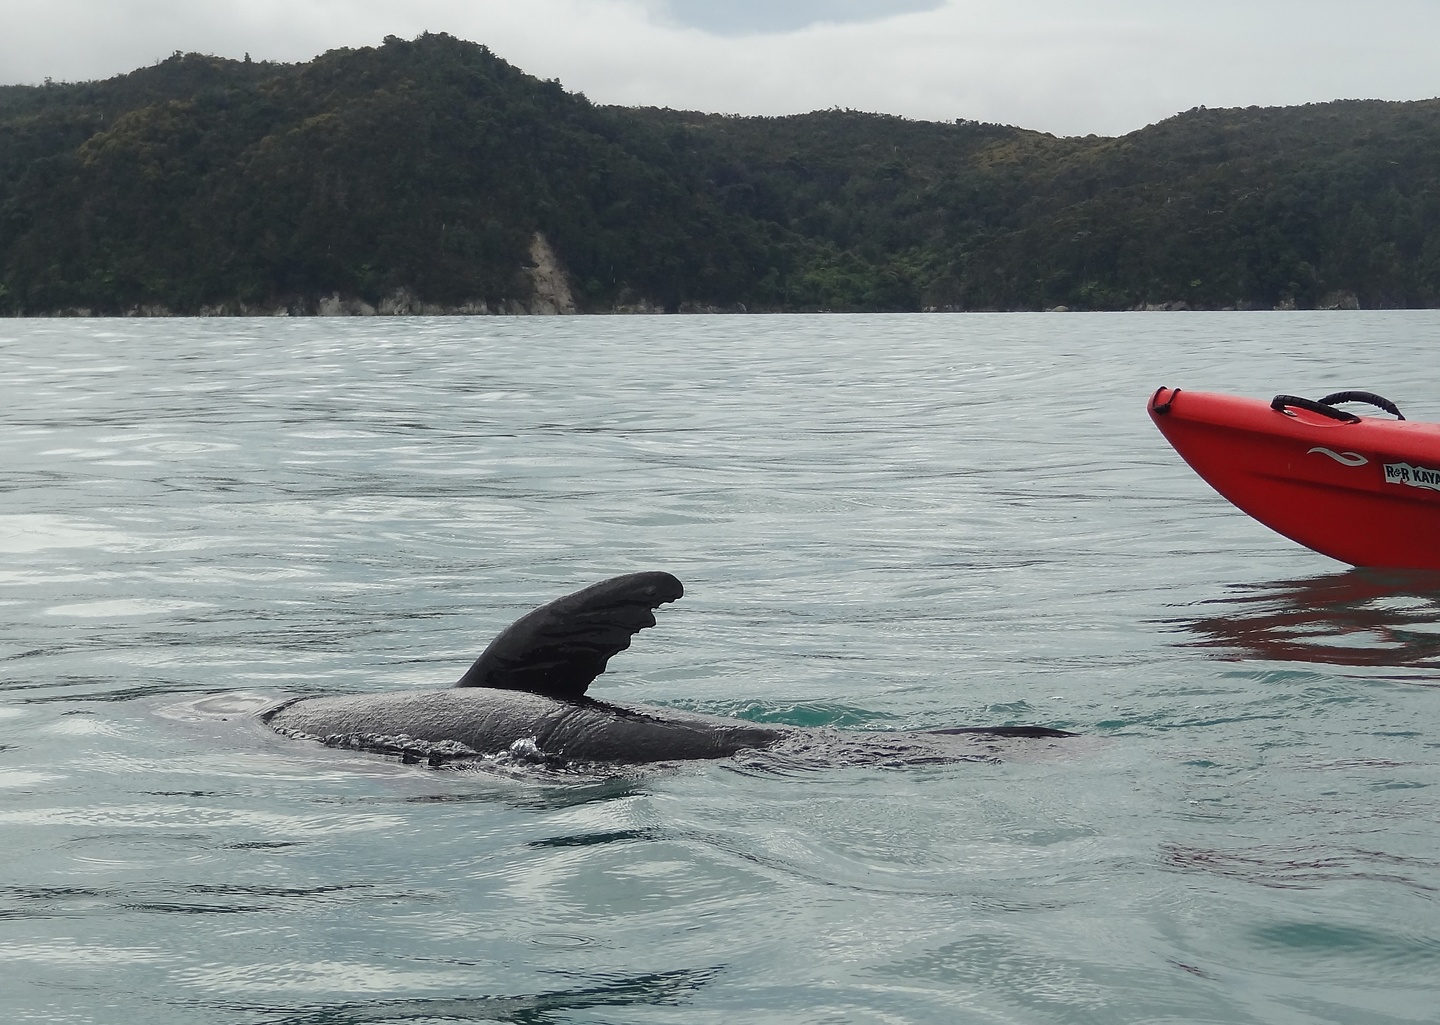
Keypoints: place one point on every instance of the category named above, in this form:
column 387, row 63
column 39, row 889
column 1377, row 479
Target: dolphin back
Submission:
column 558, row 649
column 445, row 725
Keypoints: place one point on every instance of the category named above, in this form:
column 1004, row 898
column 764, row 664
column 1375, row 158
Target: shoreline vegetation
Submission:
column 430, row 177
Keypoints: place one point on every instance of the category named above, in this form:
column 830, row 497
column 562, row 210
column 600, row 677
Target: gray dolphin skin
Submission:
column 525, row 694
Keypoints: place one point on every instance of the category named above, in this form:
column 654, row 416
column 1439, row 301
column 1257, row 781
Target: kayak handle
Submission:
column 1369, row 397
column 1279, row 402
column 1161, row 408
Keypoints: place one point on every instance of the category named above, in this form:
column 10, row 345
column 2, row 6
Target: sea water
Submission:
column 882, row 523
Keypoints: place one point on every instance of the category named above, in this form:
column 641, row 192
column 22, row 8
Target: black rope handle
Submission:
column 1279, row 402
column 1164, row 407
column 1369, row 397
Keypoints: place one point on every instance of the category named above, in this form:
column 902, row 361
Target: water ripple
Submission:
column 883, row 523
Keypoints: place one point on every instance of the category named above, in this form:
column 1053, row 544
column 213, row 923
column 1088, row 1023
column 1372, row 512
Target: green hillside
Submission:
column 420, row 172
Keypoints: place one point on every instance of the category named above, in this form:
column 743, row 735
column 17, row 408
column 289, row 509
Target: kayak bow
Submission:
column 1361, row 489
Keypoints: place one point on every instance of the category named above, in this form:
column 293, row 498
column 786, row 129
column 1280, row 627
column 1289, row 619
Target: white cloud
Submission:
column 751, row 17
column 1106, row 66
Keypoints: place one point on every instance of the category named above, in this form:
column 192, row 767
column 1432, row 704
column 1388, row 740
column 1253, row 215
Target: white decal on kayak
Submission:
column 1343, row 458
column 1415, row 476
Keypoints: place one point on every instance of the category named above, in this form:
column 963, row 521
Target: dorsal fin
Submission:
column 558, row 649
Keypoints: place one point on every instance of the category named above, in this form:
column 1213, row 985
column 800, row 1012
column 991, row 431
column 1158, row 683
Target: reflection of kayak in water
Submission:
column 1382, row 618
column 1361, row 489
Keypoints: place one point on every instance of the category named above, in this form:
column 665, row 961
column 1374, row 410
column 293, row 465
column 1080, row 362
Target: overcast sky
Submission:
column 1065, row 66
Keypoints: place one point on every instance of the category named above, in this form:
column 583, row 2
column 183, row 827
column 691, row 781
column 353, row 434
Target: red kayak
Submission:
column 1361, row 489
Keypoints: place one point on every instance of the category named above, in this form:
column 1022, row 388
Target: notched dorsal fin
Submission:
column 558, row 649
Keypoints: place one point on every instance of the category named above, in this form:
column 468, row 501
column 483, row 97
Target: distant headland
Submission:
column 429, row 176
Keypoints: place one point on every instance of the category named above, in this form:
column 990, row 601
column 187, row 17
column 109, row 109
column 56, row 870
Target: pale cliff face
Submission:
column 552, row 291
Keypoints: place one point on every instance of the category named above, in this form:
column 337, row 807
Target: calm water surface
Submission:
column 882, row 523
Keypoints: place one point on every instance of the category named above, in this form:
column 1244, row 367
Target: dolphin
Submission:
column 524, row 698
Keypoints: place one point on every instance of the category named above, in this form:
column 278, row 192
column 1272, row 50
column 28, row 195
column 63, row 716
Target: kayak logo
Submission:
column 1415, row 476
column 1343, row 458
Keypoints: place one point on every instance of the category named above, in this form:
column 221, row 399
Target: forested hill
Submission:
column 417, row 176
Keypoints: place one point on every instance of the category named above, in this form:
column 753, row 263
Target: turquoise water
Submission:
column 882, row 523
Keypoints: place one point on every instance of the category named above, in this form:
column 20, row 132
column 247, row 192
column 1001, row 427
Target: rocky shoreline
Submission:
column 551, row 295
column 400, row 304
